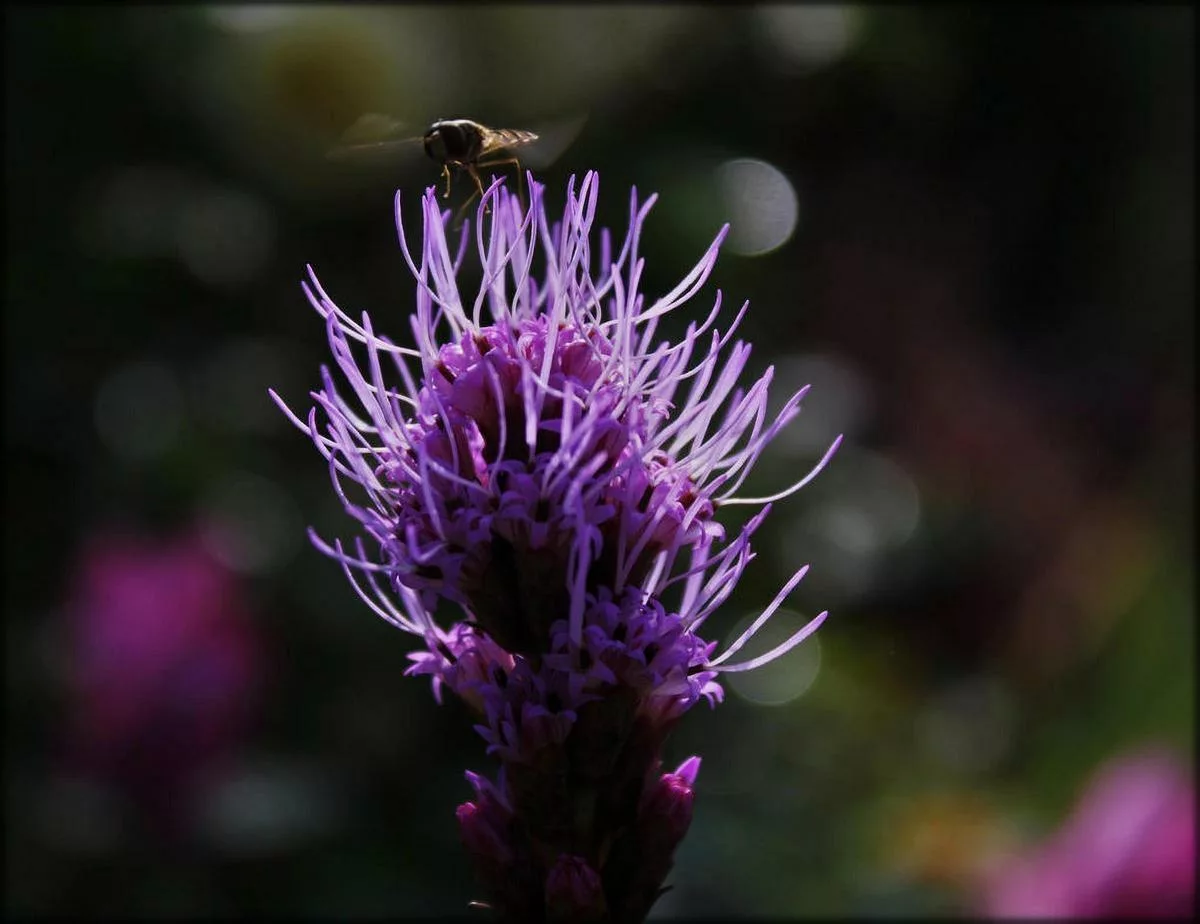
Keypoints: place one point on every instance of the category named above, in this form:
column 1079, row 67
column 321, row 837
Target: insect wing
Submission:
column 503, row 139
column 372, row 134
column 553, row 138
column 372, row 126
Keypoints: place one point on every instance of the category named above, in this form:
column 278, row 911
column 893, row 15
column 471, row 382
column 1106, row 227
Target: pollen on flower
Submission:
column 540, row 460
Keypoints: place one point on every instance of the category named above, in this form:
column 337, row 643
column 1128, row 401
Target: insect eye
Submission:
column 435, row 144
column 454, row 140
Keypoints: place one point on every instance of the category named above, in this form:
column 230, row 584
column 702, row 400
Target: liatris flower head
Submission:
column 541, row 462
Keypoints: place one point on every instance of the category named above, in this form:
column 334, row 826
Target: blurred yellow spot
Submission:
column 946, row 838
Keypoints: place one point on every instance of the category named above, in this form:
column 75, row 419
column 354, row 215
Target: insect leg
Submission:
column 458, row 217
column 470, row 168
column 520, row 174
column 446, row 174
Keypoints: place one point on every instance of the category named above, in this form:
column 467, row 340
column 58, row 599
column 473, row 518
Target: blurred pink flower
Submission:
column 162, row 670
column 1129, row 849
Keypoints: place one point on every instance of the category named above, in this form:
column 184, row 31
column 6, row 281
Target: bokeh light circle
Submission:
column 785, row 679
column 251, row 524
column 138, row 410
column 761, row 204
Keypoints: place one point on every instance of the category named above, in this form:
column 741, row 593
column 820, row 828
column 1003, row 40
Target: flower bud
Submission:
column 667, row 810
column 483, row 834
column 574, row 891
column 640, row 861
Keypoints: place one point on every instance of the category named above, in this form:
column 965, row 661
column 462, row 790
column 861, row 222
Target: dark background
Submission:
column 989, row 283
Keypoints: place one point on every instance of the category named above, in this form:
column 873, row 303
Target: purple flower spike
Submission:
column 540, row 461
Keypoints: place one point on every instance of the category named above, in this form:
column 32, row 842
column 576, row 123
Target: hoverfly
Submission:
column 454, row 143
